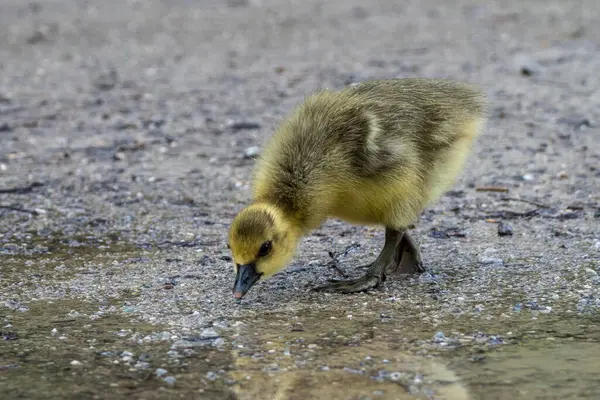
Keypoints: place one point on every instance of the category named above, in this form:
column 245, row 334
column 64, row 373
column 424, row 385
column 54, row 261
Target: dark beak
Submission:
column 246, row 278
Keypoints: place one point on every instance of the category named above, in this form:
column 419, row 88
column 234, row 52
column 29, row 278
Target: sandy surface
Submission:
column 135, row 119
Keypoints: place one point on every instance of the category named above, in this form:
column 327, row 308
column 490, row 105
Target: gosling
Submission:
column 372, row 154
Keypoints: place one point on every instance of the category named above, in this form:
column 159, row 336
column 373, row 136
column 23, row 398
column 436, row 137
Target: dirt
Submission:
column 127, row 136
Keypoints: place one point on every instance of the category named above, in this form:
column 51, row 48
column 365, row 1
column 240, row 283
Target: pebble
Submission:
column 312, row 346
column 526, row 65
column 439, row 337
column 395, row 376
column 211, row 376
column 160, row 372
column 591, row 273
column 75, row 363
column 504, row 229
column 491, row 261
column 528, row 178
column 170, row 380
column 142, row 365
column 209, row 333
column 562, row 175
column 251, row 152
column 173, row 354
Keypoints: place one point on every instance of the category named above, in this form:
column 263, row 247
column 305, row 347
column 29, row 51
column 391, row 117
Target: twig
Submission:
column 23, row 189
column 333, row 264
column 20, row 209
column 539, row 205
column 491, row 189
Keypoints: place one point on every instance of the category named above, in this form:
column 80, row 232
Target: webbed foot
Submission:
column 361, row 284
column 409, row 258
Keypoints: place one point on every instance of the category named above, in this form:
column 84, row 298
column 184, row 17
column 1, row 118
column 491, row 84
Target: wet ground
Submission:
column 127, row 131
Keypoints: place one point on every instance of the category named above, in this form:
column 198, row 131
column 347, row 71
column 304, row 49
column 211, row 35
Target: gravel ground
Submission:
column 127, row 132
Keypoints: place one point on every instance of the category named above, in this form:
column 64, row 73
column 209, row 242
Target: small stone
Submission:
column 106, row 81
column 528, row 178
column 211, row 376
column 378, row 392
column 395, row 376
column 562, row 175
column 54, row 332
column 75, row 363
column 312, row 346
column 141, row 365
column 160, row 372
column 526, row 65
column 251, row 152
column 504, row 229
column 491, row 261
column 591, row 273
column 170, row 380
column 209, row 333
column 439, row 337
column 173, row 354
column 325, row 368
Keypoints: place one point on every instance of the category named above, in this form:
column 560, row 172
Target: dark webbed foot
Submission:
column 400, row 255
column 408, row 256
column 361, row 284
column 375, row 275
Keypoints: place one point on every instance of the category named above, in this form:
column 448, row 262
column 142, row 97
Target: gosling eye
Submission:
column 265, row 249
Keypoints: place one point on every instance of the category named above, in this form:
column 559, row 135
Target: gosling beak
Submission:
column 246, row 278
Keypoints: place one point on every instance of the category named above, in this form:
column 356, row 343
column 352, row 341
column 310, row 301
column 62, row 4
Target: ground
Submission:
column 127, row 135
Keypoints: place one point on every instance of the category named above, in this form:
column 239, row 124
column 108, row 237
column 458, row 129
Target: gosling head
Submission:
column 262, row 242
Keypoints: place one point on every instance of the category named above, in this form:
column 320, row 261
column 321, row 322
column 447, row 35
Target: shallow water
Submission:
column 59, row 342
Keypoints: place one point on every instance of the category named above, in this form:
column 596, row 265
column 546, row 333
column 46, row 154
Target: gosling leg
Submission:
column 388, row 258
